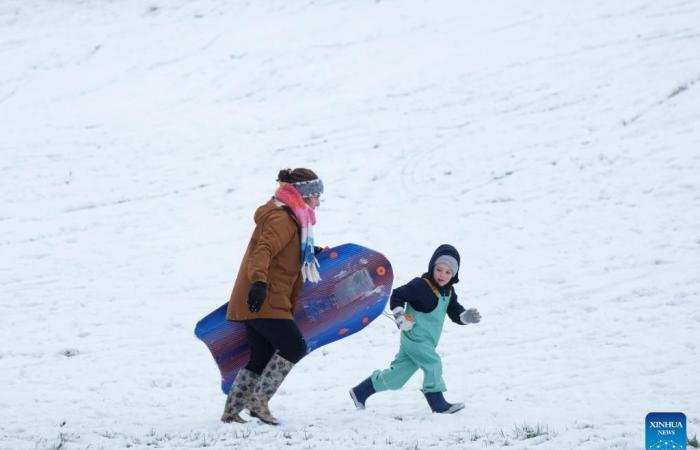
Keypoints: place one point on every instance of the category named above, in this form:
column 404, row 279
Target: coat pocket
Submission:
column 278, row 295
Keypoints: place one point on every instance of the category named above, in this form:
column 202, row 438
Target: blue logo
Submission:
column 666, row 431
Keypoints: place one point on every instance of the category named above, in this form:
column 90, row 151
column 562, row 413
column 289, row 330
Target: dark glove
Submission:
column 256, row 296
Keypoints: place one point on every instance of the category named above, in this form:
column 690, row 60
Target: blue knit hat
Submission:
column 310, row 188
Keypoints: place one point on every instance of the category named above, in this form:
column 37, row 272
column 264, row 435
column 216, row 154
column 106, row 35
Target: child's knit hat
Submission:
column 449, row 261
column 445, row 254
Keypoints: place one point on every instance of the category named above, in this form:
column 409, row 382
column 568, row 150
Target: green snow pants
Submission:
column 417, row 351
column 405, row 364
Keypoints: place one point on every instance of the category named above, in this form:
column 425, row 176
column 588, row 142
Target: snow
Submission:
column 555, row 144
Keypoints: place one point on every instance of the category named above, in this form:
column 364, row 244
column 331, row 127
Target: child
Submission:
column 428, row 298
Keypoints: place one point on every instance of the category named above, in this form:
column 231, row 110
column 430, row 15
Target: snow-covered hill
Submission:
column 555, row 143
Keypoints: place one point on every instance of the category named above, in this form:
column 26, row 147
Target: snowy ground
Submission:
column 555, row 143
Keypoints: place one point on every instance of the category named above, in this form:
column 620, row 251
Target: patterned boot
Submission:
column 241, row 390
column 270, row 380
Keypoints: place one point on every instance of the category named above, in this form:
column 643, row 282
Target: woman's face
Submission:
column 313, row 202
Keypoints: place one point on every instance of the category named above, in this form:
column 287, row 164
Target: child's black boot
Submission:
column 438, row 403
column 361, row 392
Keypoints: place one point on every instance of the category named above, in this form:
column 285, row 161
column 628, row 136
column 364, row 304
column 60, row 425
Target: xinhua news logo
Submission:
column 666, row 431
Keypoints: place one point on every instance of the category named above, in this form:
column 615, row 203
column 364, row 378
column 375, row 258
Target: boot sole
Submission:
column 234, row 418
column 252, row 414
column 453, row 409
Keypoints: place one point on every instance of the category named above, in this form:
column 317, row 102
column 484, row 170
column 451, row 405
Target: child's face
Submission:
column 442, row 274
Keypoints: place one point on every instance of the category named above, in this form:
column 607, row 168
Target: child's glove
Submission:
column 403, row 321
column 470, row 316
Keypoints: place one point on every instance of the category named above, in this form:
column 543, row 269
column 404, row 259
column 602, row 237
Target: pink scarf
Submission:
column 306, row 218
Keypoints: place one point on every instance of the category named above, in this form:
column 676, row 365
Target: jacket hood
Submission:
column 444, row 249
column 264, row 211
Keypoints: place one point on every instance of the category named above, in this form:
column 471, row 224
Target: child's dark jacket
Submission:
column 420, row 295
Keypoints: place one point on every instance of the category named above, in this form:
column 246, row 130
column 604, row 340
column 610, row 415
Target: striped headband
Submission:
column 311, row 188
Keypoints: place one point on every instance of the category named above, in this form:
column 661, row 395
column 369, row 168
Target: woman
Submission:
column 279, row 259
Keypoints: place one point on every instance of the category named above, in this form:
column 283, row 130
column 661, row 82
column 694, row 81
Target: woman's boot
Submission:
column 239, row 395
column 270, row 380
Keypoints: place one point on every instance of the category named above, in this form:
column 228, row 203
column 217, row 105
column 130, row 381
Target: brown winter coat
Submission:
column 273, row 256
